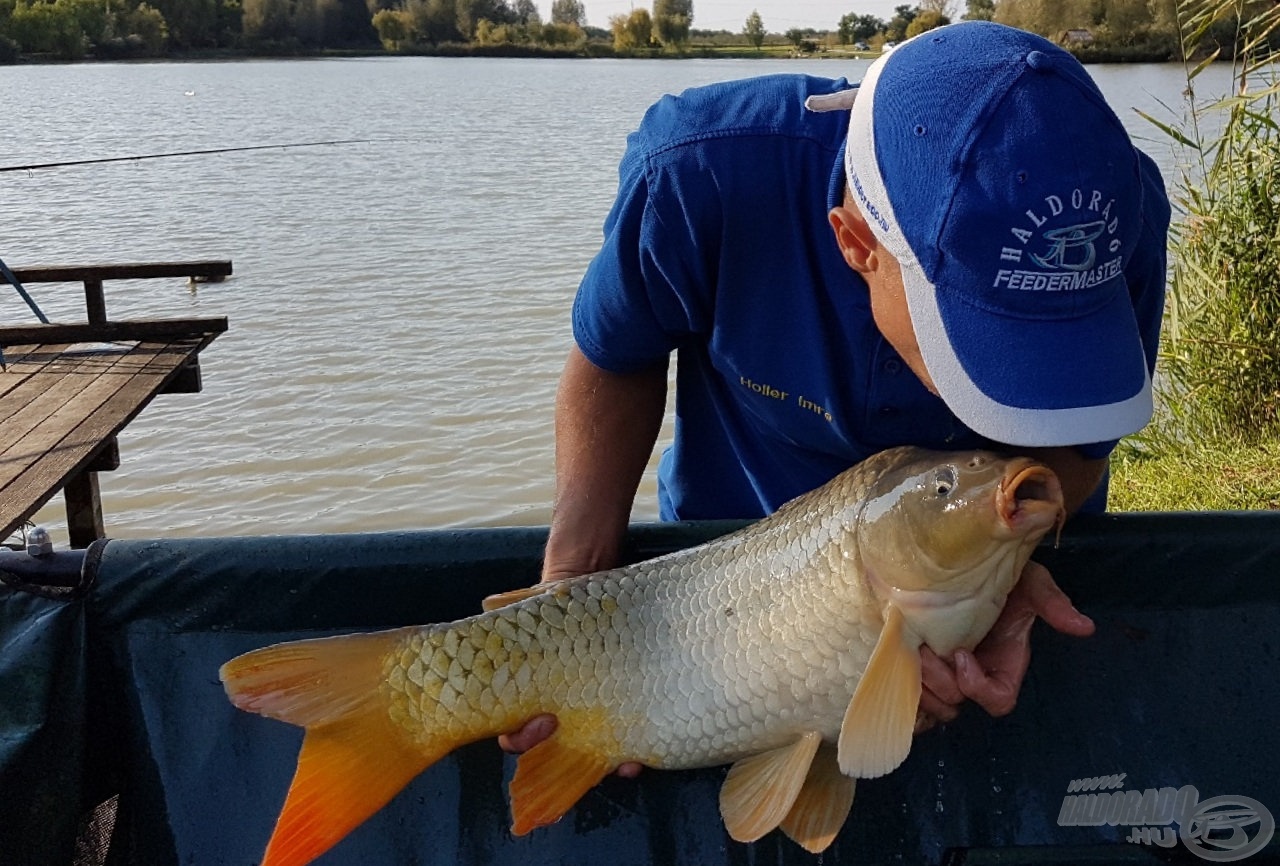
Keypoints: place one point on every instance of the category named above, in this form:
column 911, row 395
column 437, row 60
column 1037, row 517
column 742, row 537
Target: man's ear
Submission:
column 857, row 243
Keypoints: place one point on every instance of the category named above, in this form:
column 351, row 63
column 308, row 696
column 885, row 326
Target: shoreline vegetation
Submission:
column 603, row 52
column 1214, row 443
column 38, row 31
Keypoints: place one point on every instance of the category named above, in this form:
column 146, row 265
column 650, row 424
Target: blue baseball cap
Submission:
column 988, row 162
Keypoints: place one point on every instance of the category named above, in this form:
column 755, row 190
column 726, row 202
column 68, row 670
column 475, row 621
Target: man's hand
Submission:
column 538, row 729
column 991, row 675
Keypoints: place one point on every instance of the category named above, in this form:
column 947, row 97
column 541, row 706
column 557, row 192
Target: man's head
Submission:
column 986, row 165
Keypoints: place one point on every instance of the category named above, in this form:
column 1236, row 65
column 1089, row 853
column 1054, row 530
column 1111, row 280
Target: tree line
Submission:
column 109, row 29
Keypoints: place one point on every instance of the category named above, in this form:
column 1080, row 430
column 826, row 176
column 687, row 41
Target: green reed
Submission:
column 1215, row 441
column 1219, row 374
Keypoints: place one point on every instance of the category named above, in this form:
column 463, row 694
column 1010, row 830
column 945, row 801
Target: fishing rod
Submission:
column 8, row 276
column 139, row 157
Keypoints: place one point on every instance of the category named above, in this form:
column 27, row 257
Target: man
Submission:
column 973, row 255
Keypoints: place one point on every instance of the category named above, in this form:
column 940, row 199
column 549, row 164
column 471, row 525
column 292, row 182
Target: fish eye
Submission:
column 944, row 482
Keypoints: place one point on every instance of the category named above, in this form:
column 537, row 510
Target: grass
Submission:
column 1214, row 476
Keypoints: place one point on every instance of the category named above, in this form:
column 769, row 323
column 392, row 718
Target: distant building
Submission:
column 1077, row 37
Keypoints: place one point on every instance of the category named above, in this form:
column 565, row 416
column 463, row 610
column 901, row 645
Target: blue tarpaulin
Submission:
column 110, row 691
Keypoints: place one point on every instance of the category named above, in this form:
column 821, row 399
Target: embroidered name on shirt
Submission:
column 766, row 390
column 774, row 393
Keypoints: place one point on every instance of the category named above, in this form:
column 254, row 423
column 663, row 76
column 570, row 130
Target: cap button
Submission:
column 1038, row 60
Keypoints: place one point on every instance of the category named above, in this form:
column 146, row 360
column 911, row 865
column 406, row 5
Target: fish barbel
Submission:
column 789, row 648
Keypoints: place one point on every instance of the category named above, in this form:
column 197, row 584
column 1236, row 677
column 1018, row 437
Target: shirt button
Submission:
column 892, row 366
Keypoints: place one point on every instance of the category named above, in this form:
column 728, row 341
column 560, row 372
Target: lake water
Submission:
column 399, row 310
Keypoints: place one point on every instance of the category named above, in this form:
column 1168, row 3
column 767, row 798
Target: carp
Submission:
column 789, row 649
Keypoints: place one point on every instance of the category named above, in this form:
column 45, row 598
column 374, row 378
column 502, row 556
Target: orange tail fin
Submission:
column 354, row 758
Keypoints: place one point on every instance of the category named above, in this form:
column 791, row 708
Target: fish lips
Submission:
column 1029, row 498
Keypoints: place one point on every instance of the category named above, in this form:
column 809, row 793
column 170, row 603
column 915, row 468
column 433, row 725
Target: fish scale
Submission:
column 655, row 623
column 790, row 648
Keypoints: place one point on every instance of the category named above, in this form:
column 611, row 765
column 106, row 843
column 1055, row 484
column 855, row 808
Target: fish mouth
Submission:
column 1029, row 497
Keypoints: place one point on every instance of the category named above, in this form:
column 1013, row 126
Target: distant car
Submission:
column 887, row 47
column 859, row 46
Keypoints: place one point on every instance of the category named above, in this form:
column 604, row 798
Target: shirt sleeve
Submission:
column 649, row 286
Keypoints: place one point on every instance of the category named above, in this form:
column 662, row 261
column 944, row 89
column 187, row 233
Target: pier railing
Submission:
column 68, row 389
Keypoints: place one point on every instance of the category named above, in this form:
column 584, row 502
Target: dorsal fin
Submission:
column 503, row 599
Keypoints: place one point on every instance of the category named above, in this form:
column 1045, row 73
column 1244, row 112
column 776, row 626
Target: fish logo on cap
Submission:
column 1065, row 240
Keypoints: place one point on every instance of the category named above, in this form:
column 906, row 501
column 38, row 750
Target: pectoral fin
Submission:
column 549, row 779
column 502, row 599
column 823, row 804
column 876, row 733
column 759, row 791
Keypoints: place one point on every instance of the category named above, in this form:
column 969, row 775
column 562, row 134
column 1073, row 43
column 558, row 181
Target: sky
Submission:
column 778, row 15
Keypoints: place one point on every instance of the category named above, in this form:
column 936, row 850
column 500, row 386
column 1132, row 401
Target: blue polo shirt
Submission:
column 718, row 248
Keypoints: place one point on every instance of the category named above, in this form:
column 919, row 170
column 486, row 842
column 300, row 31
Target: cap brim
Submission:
column 1030, row 382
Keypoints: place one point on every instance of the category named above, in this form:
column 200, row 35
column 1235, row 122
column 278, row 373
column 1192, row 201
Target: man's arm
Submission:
column 606, row 424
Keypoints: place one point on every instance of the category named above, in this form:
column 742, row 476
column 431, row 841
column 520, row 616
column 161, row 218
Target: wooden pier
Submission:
column 69, row 389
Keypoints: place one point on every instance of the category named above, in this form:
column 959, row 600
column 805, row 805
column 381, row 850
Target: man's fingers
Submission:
column 530, row 734
column 991, row 676
column 936, row 708
column 553, row 575
column 995, row 690
column 1038, row 593
column 938, row 678
column 940, row 696
column 538, row 729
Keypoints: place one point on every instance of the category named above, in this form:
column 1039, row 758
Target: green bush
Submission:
column 394, row 28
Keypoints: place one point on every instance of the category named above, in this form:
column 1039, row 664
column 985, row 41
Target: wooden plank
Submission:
column 47, row 469
column 23, row 362
column 48, row 384
column 139, row 329
column 211, row 268
column 52, row 403
column 125, row 395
